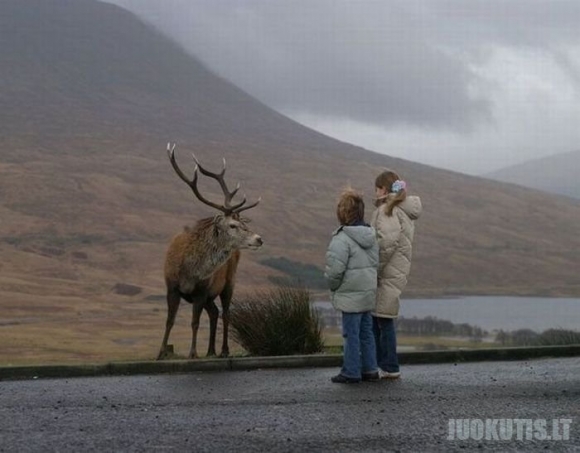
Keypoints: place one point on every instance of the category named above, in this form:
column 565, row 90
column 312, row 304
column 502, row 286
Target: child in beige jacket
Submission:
column 394, row 223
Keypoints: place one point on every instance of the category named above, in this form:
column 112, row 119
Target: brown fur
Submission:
column 200, row 265
column 201, row 262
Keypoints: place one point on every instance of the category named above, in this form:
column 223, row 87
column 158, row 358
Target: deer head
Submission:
column 228, row 224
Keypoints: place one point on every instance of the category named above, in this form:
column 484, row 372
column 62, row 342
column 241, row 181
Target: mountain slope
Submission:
column 89, row 98
column 555, row 174
column 103, row 171
column 69, row 63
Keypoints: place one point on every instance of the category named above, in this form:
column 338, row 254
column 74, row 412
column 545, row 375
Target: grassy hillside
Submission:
column 88, row 201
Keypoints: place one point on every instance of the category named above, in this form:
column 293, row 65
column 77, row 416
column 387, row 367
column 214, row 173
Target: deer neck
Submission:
column 220, row 255
column 214, row 252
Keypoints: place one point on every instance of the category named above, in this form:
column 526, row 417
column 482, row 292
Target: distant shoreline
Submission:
column 494, row 312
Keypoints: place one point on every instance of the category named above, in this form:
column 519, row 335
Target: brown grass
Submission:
column 66, row 257
column 68, row 330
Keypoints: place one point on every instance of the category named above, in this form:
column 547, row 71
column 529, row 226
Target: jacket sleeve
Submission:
column 336, row 261
column 388, row 230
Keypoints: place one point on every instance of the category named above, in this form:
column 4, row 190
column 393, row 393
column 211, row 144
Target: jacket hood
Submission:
column 412, row 207
column 362, row 235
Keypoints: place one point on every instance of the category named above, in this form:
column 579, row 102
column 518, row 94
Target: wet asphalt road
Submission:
column 290, row 410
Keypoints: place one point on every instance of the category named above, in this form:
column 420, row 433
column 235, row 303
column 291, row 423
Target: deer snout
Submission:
column 255, row 242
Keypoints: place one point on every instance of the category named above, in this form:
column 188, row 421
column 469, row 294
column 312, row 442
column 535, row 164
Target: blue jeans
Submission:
column 386, row 341
column 360, row 355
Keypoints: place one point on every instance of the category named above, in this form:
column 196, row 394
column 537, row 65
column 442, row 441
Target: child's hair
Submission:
column 385, row 181
column 350, row 208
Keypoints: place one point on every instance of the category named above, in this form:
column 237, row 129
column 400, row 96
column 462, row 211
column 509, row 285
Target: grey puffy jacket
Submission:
column 351, row 268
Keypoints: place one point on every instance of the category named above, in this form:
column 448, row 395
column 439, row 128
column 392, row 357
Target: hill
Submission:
column 90, row 96
column 554, row 174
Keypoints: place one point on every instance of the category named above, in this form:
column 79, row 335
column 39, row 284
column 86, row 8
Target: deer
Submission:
column 201, row 262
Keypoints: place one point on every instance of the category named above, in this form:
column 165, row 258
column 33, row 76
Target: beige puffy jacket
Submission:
column 395, row 238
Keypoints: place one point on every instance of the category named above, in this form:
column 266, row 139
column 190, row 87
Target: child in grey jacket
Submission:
column 351, row 271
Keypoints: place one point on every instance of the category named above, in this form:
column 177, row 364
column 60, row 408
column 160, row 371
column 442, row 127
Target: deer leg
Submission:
column 226, row 298
column 173, row 299
column 213, row 313
column 196, row 314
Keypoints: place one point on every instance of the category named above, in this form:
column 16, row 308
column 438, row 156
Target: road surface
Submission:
column 300, row 410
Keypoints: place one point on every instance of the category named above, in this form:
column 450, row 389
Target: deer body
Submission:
column 195, row 254
column 201, row 263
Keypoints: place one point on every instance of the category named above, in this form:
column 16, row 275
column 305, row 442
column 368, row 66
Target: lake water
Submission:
column 496, row 312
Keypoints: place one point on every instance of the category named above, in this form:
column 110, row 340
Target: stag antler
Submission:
column 226, row 208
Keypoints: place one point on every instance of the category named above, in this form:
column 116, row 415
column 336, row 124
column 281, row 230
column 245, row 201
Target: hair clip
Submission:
column 398, row 185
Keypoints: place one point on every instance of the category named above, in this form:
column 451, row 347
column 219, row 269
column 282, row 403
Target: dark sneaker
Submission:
column 371, row 377
column 340, row 379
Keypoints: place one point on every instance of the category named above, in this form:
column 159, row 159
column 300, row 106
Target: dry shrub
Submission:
column 280, row 321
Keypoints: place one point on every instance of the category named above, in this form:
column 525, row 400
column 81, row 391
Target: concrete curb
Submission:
column 298, row 361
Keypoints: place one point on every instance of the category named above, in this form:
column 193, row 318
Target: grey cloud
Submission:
column 468, row 84
column 373, row 63
column 511, row 22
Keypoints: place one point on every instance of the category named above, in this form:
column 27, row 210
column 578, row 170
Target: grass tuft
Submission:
column 276, row 322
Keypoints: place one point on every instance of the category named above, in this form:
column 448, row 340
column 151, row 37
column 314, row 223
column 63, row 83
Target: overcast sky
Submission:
column 468, row 85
